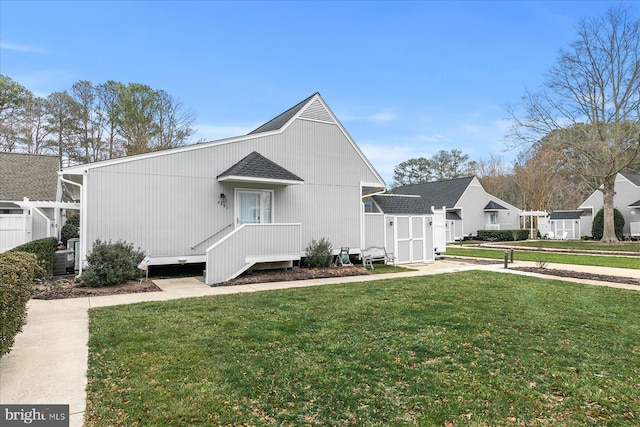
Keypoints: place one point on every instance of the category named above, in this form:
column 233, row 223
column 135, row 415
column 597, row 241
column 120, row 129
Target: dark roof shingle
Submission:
column 493, row 206
column 28, row 175
column 394, row 204
column 256, row 165
column 279, row 121
column 634, row 178
column 566, row 215
column 438, row 193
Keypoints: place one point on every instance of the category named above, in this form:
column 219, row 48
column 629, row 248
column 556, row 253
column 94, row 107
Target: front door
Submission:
column 254, row 207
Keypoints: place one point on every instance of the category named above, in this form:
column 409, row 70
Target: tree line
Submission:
column 579, row 130
column 88, row 122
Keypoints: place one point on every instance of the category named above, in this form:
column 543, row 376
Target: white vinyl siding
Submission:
column 167, row 204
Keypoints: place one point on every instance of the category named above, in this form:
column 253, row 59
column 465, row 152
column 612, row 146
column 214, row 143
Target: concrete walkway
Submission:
column 48, row 363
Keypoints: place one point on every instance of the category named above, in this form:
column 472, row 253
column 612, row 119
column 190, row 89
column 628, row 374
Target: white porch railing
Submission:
column 250, row 244
column 492, row 227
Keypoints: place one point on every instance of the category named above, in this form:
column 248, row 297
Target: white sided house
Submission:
column 626, row 200
column 468, row 207
column 232, row 203
column 31, row 206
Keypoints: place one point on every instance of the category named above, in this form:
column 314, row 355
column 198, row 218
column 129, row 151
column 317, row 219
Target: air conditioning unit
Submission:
column 63, row 262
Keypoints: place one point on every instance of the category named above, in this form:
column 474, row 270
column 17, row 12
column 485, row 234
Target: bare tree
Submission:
column 62, row 123
column 589, row 107
column 174, row 122
column 90, row 144
column 14, row 99
column 32, row 131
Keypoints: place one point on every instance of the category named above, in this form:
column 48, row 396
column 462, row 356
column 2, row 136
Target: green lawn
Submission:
column 471, row 348
column 583, row 245
column 580, row 259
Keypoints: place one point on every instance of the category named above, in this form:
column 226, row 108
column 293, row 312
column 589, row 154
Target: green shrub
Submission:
column 17, row 271
column 44, row 250
column 503, row 235
column 319, row 254
column 71, row 228
column 112, row 264
column 597, row 228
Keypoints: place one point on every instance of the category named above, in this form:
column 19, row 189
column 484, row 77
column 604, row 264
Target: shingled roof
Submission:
column 566, row 215
column 257, row 167
column 394, row 204
column 279, row 121
column 493, row 206
column 634, row 178
column 28, row 175
column 438, row 193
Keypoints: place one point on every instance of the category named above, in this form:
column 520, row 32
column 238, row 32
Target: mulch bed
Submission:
column 580, row 275
column 65, row 287
column 295, row 273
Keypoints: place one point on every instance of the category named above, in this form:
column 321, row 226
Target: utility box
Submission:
column 63, row 262
column 74, row 245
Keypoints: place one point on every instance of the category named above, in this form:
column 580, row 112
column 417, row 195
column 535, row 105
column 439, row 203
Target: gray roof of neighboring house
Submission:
column 279, row 121
column 452, row 215
column 28, row 175
column 566, row 214
column 634, row 178
column 256, row 165
column 635, row 204
column 438, row 193
column 493, row 206
column 394, row 204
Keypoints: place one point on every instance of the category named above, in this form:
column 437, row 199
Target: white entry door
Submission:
column 254, row 207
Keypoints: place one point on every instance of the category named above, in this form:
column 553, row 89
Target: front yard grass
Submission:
column 469, row 348
column 561, row 258
column 582, row 245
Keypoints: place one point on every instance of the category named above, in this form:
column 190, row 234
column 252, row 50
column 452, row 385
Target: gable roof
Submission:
column 256, row 167
column 632, row 177
column 438, row 193
column 282, row 119
column 566, row 214
column 394, row 204
column 493, row 206
column 33, row 176
column 312, row 108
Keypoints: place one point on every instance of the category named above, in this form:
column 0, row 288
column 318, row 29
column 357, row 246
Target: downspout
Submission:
column 82, row 219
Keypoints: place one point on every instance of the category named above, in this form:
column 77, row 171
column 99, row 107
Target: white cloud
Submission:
column 19, row 47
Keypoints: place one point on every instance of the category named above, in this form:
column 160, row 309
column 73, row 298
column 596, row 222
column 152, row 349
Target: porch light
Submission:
column 390, row 222
column 223, row 200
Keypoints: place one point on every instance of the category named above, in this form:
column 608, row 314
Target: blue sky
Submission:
column 406, row 79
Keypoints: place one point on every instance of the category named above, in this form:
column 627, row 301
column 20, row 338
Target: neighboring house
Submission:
column 626, row 200
column 30, row 196
column 232, row 203
column 412, row 231
column 468, row 207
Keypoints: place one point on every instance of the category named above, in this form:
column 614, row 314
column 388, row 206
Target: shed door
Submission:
column 410, row 242
column 403, row 239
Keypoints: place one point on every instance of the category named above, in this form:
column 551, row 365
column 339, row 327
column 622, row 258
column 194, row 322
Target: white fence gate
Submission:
column 14, row 231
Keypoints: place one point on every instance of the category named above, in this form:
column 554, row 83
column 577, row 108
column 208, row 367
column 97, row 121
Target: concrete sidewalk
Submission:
column 48, row 363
